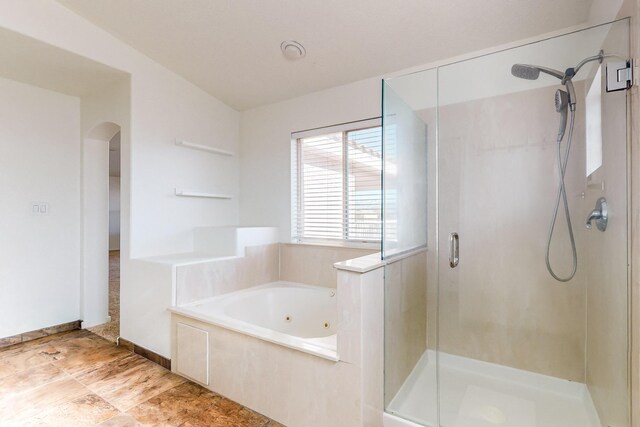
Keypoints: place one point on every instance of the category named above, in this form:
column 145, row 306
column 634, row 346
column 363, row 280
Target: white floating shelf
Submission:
column 188, row 193
column 183, row 143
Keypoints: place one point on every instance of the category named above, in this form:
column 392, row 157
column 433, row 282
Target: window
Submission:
column 336, row 183
column 594, row 124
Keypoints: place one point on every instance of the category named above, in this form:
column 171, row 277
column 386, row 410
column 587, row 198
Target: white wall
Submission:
column 164, row 106
column 604, row 10
column 165, row 109
column 265, row 146
column 39, row 253
column 153, row 108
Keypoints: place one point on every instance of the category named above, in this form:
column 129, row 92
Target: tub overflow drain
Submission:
column 287, row 318
column 327, row 325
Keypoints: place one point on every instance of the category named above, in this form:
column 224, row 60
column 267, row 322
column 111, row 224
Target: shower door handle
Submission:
column 454, row 251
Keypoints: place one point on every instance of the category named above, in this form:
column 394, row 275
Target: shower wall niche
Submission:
column 495, row 338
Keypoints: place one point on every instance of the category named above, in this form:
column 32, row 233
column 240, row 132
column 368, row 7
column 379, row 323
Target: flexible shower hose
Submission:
column 562, row 193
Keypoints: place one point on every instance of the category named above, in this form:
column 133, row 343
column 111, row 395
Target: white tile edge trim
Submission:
column 373, row 261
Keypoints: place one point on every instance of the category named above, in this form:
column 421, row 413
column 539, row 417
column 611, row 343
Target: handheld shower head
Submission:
column 562, row 100
column 562, row 104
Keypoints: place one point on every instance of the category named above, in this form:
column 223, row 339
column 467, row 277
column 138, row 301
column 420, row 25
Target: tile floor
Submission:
column 111, row 330
column 80, row 379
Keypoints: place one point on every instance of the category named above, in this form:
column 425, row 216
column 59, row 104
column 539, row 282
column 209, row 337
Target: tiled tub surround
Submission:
column 288, row 385
column 313, row 264
column 302, row 317
column 301, row 263
column 237, row 253
column 198, row 281
column 223, row 260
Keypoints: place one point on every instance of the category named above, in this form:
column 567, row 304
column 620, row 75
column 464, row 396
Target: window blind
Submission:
column 336, row 184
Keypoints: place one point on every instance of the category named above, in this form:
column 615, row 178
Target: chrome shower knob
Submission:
column 599, row 214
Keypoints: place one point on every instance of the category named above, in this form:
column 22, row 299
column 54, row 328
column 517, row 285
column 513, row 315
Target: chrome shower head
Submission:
column 526, row 72
column 532, row 72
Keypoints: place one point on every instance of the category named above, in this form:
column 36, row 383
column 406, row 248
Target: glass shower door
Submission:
column 516, row 346
column 409, row 142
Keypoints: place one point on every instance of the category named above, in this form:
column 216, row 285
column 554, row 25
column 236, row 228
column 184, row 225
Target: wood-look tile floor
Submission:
column 111, row 330
column 80, row 379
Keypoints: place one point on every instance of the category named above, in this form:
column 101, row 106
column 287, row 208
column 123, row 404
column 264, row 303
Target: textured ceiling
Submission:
column 231, row 48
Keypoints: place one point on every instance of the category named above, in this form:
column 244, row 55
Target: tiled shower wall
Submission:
column 405, row 319
column 498, row 183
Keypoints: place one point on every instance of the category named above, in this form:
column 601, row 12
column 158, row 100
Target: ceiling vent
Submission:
column 292, row 50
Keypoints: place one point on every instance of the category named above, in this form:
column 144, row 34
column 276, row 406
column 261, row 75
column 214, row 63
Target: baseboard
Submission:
column 147, row 354
column 39, row 333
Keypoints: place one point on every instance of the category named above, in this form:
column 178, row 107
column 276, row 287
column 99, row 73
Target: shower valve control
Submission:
column 600, row 215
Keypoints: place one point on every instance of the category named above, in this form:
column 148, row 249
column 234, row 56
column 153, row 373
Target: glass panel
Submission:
column 516, row 346
column 605, row 256
column 405, row 164
column 409, row 123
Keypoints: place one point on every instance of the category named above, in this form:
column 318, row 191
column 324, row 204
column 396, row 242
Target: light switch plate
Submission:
column 39, row 208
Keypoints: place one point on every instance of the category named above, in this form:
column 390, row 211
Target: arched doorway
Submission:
column 100, row 230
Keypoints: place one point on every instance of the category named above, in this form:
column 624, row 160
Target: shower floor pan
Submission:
column 481, row 394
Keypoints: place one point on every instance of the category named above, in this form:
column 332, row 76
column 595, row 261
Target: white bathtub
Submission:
column 301, row 317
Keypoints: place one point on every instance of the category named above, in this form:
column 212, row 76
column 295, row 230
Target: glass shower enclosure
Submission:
column 495, row 173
